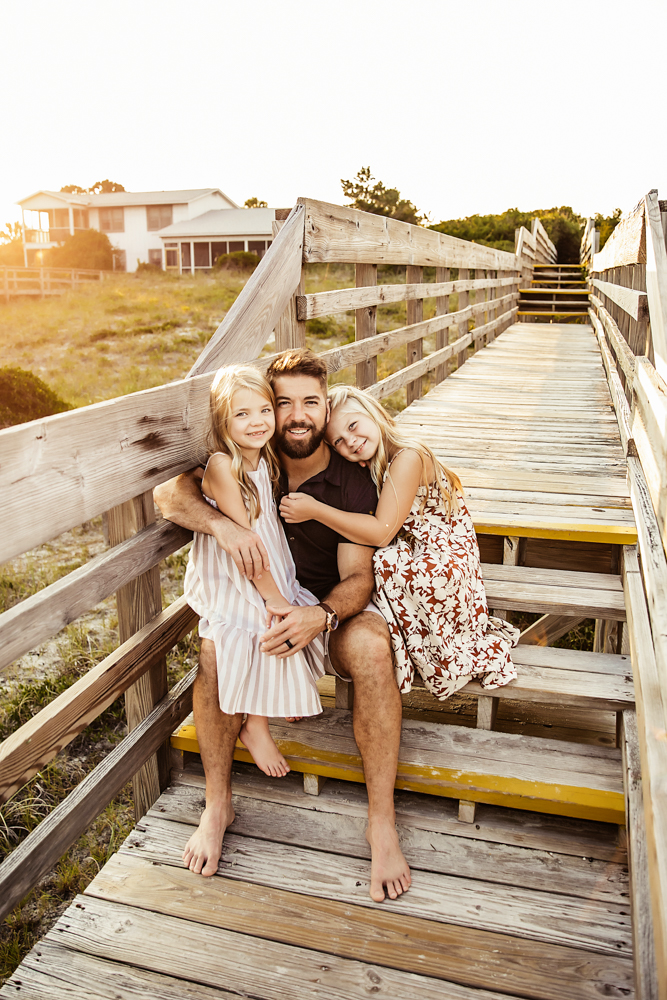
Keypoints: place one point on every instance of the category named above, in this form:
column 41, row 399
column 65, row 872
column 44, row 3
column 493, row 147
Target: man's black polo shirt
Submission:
column 314, row 546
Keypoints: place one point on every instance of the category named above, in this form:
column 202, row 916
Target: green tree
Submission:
column 99, row 187
column 369, row 195
column 562, row 224
column 23, row 396
column 87, row 248
column 606, row 224
column 255, row 203
column 11, row 245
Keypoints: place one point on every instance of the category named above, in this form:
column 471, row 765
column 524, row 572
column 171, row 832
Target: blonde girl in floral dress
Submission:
column 427, row 572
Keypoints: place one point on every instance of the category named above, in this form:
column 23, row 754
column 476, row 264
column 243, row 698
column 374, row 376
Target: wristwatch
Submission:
column 332, row 617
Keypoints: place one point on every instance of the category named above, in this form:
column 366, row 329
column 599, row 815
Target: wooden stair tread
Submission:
column 500, row 768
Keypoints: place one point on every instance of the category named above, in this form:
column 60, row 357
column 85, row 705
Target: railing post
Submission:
column 480, row 317
column 138, row 602
column 442, row 337
column 415, row 314
column 365, row 324
column 464, row 275
column 291, row 331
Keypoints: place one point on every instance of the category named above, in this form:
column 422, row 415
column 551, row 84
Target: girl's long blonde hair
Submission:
column 228, row 381
column 391, row 440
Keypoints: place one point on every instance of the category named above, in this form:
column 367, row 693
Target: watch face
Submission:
column 334, row 622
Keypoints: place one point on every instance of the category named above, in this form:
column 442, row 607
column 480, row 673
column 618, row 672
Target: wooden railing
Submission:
column 590, row 243
column 534, row 247
column 628, row 310
column 17, row 281
column 105, row 459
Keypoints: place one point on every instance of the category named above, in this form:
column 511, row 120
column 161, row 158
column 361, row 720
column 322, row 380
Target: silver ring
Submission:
column 289, row 644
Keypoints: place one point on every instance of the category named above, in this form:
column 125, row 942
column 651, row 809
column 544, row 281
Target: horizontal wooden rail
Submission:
column 627, row 243
column 38, row 853
column 618, row 397
column 37, row 742
column 401, row 378
column 625, row 357
column 43, row 615
column 338, row 234
column 631, row 301
column 345, row 299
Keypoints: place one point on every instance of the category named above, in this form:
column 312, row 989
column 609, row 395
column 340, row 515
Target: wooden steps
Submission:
column 478, row 765
column 556, row 290
column 534, row 907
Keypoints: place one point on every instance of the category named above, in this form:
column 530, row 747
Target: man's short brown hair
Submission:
column 299, row 361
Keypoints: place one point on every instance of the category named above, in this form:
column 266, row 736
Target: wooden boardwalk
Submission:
column 516, row 903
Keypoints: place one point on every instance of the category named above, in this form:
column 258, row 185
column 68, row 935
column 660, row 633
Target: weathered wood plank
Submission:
column 37, row 854
column 538, row 916
column 630, row 300
column 51, row 971
column 627, row 243
column 366, row 323
column 334, row 233
column 40, row 739
column 649, row 428
column 624, row 355
column 345, row 299
column 646, row 978
column 219, row 957
column 656, row 280
column 43, row 615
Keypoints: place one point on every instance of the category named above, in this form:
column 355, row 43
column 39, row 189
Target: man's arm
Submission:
column 181, row 501
column 347, row 598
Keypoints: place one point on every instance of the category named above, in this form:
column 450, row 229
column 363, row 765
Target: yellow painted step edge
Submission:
column 617, row 534
column 514, row 793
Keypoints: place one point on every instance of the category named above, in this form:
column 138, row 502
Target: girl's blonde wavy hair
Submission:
column 228, row 381
column 391, row 439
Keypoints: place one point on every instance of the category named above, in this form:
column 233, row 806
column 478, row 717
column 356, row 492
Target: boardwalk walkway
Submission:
column 514, row 904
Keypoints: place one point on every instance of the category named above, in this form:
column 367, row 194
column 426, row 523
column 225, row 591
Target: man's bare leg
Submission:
column 361, row 649
column 216, row 735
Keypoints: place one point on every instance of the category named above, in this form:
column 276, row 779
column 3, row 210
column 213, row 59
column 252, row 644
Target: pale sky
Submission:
column 466, row 107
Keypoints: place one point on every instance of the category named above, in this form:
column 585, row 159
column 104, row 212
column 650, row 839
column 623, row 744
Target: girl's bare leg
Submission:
column 255, row 736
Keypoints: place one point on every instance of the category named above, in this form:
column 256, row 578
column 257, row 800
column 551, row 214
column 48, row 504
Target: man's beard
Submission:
column 300, row 448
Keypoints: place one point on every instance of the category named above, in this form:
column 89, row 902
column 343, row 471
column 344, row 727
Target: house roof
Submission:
column 224, row 222
column 123, row 198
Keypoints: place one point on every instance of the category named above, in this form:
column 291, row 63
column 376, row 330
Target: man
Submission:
column 340, row 574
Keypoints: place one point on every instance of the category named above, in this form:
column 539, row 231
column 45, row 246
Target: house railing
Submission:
column 15, row 281
column 106, row 459
column 628, row 310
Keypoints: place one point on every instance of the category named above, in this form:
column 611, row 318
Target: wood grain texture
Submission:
column 624, row 355
column 345, row 299
column 656, row 280
column 652, row 731
column 137, row 603
column 646, row 976
column 365, row 323
column 322, row 877
column 51, row 609
column 265, row 296
column 333, row 233
column 627, row 243
column 231, row 959
column 414, row 349
column 37, row 854
column 649, row 429
column 40, row 739
column 633, row 302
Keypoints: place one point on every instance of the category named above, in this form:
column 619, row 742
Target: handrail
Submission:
column 20, row 280
column 628, row 305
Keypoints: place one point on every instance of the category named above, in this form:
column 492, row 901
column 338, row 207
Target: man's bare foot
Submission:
column 388, row 868
column 203, row 849
column 255, row 736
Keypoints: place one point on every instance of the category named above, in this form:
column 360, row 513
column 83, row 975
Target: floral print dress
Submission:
column 431, row 594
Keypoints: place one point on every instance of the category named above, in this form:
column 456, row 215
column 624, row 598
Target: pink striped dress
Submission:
column 233, row 615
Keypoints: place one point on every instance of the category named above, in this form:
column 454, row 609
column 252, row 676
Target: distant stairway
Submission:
column 556, row 291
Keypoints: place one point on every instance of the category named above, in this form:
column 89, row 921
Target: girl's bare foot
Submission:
column 203, row 849
column 388, row 868
column 255, row 736
column 293, row 718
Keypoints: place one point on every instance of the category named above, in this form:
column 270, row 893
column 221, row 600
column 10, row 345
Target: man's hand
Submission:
column 244, row 546
column 299, row 625
column 297, row 507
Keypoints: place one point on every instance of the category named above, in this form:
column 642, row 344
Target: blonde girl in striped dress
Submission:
column 240, row 479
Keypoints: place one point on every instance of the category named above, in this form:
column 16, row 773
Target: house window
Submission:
column 185, row 255
column 202, row 255
column 80, row 218
column 112, row 220
column 235, row 245
column 217, row 250
column 171, row 254
column 159, row 216
column 155, row 257
column 257, row 246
